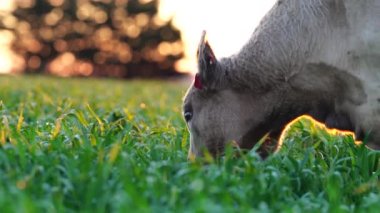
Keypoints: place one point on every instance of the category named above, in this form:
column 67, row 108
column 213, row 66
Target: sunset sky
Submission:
column 228, row 25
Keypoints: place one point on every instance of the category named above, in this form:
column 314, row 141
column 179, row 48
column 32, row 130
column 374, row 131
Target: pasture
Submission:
column 79, row 145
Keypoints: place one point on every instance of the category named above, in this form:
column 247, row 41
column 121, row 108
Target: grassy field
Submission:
column 118, row 146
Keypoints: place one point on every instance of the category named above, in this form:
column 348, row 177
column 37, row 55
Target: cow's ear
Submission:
column 207, row 62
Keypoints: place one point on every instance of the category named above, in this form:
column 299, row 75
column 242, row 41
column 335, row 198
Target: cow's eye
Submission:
column 188, row 116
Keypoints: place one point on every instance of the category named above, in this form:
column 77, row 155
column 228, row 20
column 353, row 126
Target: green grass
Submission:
column 118, row 146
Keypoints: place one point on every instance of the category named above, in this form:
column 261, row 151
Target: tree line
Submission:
column 108, row 38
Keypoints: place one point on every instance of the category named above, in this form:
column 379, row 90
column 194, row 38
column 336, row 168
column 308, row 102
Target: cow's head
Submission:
column 217, row 115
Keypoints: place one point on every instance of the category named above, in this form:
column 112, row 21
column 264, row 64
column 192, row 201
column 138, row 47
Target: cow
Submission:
column 319, row 58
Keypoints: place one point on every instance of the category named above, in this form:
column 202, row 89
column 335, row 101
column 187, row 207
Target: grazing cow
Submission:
column 307, row 57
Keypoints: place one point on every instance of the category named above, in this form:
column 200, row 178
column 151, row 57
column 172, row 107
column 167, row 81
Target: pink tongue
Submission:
column 197, row 82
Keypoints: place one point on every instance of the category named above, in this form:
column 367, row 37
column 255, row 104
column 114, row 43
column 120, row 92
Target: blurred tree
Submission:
column 118, row 38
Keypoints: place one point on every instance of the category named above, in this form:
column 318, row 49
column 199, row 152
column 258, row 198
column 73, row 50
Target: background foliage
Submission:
column 118, row 38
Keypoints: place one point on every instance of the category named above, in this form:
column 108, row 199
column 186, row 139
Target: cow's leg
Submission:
column 369, row 134
column 271, row 143
column 366, row 119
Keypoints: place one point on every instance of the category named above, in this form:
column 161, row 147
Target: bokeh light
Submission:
column 111, row 35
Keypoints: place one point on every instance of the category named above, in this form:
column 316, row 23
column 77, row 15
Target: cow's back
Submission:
column 355, row 45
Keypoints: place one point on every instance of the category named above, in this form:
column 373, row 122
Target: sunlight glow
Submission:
column 228, row 24
column 318, row 125
column 5, row 63
column 6, row 56
column 7, row 5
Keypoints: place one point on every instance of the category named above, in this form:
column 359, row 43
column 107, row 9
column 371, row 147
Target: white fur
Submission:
column 343, row 34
